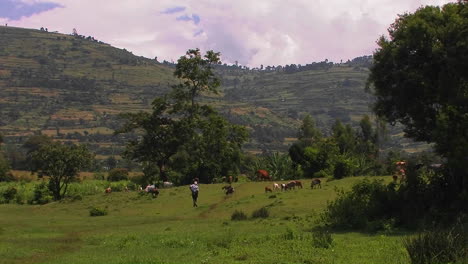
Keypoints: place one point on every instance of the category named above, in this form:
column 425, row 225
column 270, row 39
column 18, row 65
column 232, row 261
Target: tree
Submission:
column 35, row 142
column 197, row 76
column 111, row 162
column 308, row 132
column 62, row 164
column 161, row 139
column 344, row 136
column 420, row 80
column 218, row 147
column 207, row 143
column 4, row 169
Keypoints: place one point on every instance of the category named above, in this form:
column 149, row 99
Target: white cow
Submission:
column 276, row 186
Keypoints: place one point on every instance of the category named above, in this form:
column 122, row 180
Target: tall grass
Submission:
column 27, row 192
column 439, row 246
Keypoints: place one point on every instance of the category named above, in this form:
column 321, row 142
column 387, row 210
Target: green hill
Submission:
column 72, row 88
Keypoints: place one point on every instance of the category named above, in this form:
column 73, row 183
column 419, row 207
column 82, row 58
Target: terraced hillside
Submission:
column 72, row 88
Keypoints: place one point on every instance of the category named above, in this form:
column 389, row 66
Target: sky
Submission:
column 251, row 32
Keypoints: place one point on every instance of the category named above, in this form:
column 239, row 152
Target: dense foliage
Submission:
column 182, row 136
column 61, row 163
column 420, row 80
column 347, row 152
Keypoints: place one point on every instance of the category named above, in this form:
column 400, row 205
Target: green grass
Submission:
column 140, row 229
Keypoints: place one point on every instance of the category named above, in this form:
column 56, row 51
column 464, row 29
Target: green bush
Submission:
column 238, row 216
column 118, row 174
column 97, row 212
column 343, row 168
column 6, row 177
column 99, row 176
column 439, row 246
column 368, row 201
column 10, row 194
column 42, row 194
column 261, row 213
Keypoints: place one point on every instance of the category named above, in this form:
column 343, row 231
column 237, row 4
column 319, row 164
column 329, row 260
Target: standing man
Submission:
column 194, row 189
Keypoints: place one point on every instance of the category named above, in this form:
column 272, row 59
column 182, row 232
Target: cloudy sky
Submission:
column 252, row 32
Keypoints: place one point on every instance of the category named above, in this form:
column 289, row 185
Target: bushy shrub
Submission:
column 343, row 168
column 439, row 246
column 97, row 212
column 118, row 174
column 9, row 194
column 261, row 213
column 42, row 194
column 366, row 202
column 7, row 177
column 238, row 216
column 99, row 176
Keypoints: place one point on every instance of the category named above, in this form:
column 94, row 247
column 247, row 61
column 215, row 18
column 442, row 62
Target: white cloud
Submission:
column 268, row 32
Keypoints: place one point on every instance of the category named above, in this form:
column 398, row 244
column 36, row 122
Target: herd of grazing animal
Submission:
column 261, row 175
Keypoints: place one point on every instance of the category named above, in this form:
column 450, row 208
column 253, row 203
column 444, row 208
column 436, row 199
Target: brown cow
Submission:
column 108, row 190
column 283, row 187
column 268, row 189
column 263, row 175
column 298, row 184
column 316, row 182
column 229, row 189
column 290, row 185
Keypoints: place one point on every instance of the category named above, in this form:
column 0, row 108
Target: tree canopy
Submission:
column 188, row 137
column 62, row 164
column 420, row 78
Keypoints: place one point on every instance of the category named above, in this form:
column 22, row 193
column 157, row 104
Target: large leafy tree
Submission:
column 61, row 163
column 420, row 80
column 204, row 144
column 161, row 136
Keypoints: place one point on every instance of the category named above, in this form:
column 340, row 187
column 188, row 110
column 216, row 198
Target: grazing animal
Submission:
column 276, row 186
column 283, row 187
column 263, row 175
column 268, row 189
column 151, row 189
column 316, row 182
column 229, row 189
column 108, row 190
column 298, row 184
column 167, row 184
column 290, row 185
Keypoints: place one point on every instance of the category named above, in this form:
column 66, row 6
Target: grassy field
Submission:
column 140, row 229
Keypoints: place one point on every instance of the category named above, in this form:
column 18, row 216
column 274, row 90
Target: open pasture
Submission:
column 167, row 229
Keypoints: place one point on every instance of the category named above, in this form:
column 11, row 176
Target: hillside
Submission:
column 73, row 87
